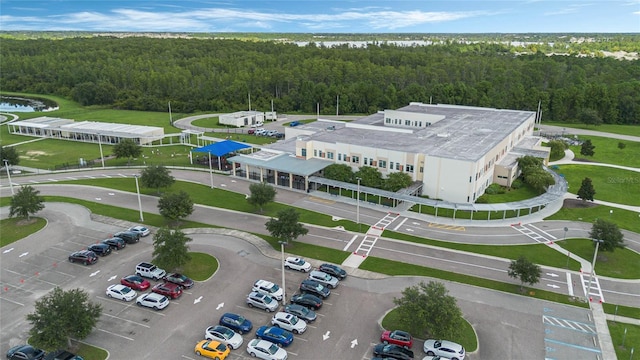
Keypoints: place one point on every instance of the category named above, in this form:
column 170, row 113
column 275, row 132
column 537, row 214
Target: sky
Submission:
column 326, row 16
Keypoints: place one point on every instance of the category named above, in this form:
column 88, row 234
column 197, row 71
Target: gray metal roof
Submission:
column 281, row 162
column 91, row 127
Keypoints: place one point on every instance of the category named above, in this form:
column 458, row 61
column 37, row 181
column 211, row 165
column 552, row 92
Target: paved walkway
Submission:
column 572, row 131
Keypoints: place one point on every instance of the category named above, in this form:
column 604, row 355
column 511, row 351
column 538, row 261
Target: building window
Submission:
column 391, row 165
column 409, row 168
column 366, row 161
column 387, row 120
column 407, row 122
column 382, row 164
column 421, row 169
column 339, row 157
column 355, row 159
column 330, row 155
column 315, row 153
column 397, row 166
column 304, row 152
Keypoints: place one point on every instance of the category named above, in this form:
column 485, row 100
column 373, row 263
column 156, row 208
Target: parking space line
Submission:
column 292, row 353
column 300, row 339
column 115, row 334
column 127, row 320
column 11, row 301
column 573, row 345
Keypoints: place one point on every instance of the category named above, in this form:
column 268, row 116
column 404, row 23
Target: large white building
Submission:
column 456, row 152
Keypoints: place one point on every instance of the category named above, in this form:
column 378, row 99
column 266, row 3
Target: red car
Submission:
column 169, row 290
column 397, row 337
column 135, row 282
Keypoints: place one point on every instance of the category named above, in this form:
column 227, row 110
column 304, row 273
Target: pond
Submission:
column 20, row 104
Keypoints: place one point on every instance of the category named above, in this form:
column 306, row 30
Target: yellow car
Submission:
column 212, row 349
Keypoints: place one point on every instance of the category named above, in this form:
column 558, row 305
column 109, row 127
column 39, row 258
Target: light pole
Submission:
column 358, row 205
column 101, row 154
column 139, row 201
column 565, row 238
column 593, row 266
column 284, row 287
column 210, row 170
column 6, row 166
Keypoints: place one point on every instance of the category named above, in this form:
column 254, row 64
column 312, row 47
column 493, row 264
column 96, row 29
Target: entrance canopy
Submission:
column 221, row 147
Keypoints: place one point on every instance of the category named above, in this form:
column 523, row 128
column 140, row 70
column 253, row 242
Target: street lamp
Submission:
column 284, row 287
column 6, row 166
column 593, row 266
column 139, row 201
column 565, row 238
column 358, row 205
column 210, row 170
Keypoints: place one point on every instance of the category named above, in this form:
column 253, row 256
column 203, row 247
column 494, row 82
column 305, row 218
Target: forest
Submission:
column 212, row 75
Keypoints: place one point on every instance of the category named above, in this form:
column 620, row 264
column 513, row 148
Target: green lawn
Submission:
column 625, row 219
column 11, row 231
column 621, row 264
column 623, row 343
column 467, row 337
column 611, row 184
column 201, row 267
column 632, row 130
column 621, row 310
column 607, row 151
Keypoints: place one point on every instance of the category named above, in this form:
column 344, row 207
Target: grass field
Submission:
column 621, row 264
column 607, row 151
column 632, row 130
column 625, row 219
column 611, row 184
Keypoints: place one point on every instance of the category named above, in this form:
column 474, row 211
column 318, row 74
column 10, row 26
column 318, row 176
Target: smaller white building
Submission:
column 242, row 118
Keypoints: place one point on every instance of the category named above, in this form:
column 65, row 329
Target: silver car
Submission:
column 324, row 278
column 262, row 301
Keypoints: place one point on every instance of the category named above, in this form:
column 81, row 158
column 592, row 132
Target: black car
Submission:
column 115, row 243
column 100, row 249
column 129, row 237
column 62, row 355
column 315, row 288
column 333, row 270
column 393, row 351
column 300, row 311
column 25, row 352
column 84, row 256
column 307, row 300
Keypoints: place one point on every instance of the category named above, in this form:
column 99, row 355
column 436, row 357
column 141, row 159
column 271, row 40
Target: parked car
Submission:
column 212, row 349
column 324, row 278
column 115, row 243
column 62, row 355
column 149, row 270
column 121, row 292
column 26, row 352
column 392, row 351
column 128, row 236
column 251, row 131
column 84, row 256
column 279, row 135
column 153, row 300
column 444, row 348
column 397, row 337
column 266, row 350
column 139, row 229
column 260, row 132
column 100, row 249
column 307, row 300
column 170, row 290
column 275, row 335
column 296, row 263
column 135, row 282
column 224, row 335
column 271, row 132
column 300, row 311
column 294, row 123
column 268, row 288
column 262, row 301
column 236, row 322
column 333, row 270
column 179, row 279
column 289, row 322
column 315, row 288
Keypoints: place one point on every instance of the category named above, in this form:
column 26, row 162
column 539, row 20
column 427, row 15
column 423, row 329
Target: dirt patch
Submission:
column 584, row 160
column 25, row 222
column 577, row 204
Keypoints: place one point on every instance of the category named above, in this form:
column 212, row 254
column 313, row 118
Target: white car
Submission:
column 143, row 231
column 121, row 292
column 224, row 335
column 153, row 300
column 444, row 348
column 289, row 322
column 266, row 350
column 268, row 288
column 296, row 263
column 324, row 278
column 260, row 131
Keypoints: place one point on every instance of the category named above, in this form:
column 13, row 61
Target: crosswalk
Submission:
column 374, row 233
column 533, row 232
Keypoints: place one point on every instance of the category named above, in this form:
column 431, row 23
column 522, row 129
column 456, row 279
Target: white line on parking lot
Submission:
column 114, row 334
column 292, row 353
column 11, row 301
column 300, row 339
column 127, row 320
column 186, row 357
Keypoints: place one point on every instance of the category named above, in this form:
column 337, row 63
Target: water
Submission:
column 18, row 104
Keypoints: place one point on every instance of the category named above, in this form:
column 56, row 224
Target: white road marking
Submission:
column 350, row 242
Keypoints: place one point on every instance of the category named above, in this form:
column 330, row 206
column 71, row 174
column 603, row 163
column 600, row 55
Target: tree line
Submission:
column 218, row 75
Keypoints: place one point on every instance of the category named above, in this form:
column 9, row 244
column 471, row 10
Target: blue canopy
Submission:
column 222, row 147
